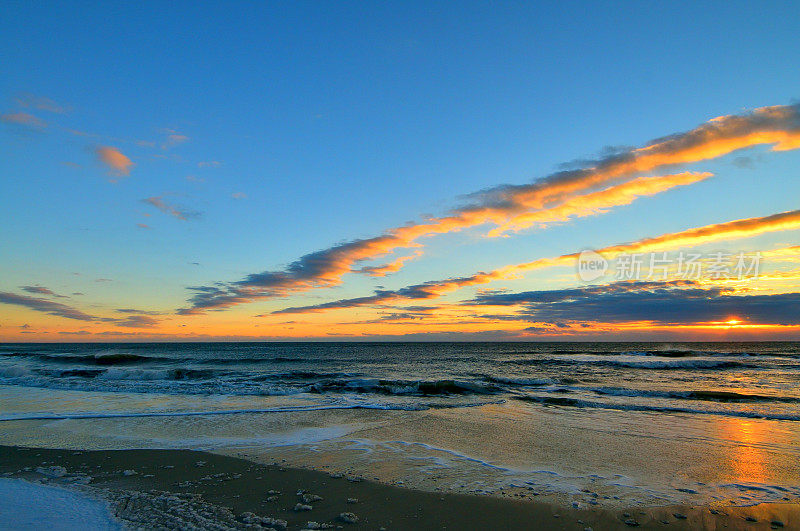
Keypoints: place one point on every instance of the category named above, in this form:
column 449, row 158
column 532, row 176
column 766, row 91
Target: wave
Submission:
column 91, row 359
column 640, row 364
column 404, row 387
column 664, row 353
column 245, row 411
column 160, row 374
column 207, row 380
column 580, row 403
column 527, row 382
column 706, row 395
column 307, row 375
column 125, row 358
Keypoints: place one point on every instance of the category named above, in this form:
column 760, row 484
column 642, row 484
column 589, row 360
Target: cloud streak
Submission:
column 389, row 268
column 513, row 207
column 736, row 229
column 40, row 103
column 40, row 290
column 664, row 303
column 23, row 119
column 131, row 320
column 158, row 202
column 45, row 306
column 599, row 202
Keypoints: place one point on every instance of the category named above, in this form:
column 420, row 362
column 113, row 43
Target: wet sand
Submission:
column 134, row 482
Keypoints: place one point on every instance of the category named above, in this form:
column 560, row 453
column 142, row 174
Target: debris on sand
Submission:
column 129, row 472
column 317, row 525
column 164, row 510
column 352, row 500
column 54, row 471
column 348, row 518
column 256, row 521
column 302, row 507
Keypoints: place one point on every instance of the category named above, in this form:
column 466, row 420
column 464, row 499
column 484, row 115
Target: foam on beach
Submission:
column 25, row 505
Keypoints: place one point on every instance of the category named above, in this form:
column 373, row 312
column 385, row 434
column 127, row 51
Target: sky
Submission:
column 399, row 171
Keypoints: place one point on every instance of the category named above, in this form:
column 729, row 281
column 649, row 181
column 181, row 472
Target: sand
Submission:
column 185, row 489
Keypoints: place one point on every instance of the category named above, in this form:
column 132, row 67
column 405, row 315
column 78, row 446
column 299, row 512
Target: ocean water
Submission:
column 607, row 423
column 25, row 505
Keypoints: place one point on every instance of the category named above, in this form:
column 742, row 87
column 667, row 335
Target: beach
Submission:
column 179, row 488
column 457, row 436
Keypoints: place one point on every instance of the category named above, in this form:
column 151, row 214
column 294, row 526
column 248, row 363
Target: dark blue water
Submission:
column 734, row 379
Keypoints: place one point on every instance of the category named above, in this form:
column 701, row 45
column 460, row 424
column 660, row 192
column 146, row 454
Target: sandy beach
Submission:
column 182, row 488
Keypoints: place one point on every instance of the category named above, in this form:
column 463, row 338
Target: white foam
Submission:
column 104, row 415
column 25, row 505
column 303, row 436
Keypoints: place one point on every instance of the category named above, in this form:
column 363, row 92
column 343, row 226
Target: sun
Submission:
column 733, row 321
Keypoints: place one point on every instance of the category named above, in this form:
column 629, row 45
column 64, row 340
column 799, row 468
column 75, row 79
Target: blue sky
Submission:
column 285, row 128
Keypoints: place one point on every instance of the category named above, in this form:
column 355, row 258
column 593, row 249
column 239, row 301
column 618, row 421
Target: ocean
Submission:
column 591, row 423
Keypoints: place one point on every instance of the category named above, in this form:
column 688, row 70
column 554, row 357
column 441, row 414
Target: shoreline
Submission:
column 140, row 485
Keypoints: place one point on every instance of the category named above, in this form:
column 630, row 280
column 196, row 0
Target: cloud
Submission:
column 391, row 267
column 741, row 228
column 159, row 203
column 45, row 306
column 40, row 103
column 173, row 139
column 24, row 119
column 672, row 303
column 134, row 310
column 40, row 290
column 118, row 163
column 512, row 207
column 209, row 164
column 600, row 202
column 137, row 321
column 239, row 195
column 143, row 226
column 688, row 288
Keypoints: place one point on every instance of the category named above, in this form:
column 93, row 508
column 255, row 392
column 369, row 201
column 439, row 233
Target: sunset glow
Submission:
column 173, row 222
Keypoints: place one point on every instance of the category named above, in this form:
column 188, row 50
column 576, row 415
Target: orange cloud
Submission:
column 24, row 119
column 166, row 208
column 742, row 228
column 115, row 160
column 41, row 103
column 391, row 267
column 600, row 202
column 512, row 207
